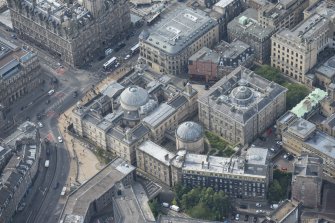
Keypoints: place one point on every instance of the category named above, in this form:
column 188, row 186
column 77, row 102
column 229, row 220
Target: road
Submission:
column 42, row 198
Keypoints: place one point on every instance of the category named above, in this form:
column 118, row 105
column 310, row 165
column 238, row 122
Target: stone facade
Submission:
column 168, row 45
column 285, row 14
column 307, row 181
column 125, row 114
column 19, row 72
column 73, row 33
column 241, row 106
column 246, row 28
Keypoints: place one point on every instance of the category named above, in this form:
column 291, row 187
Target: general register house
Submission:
column 241, row 106
column 73, row 32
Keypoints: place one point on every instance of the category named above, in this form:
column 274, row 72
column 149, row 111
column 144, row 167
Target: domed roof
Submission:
column 133, row 97
column 189, row 131
column 241, row 93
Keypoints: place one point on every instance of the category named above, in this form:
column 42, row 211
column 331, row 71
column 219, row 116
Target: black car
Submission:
column 243, row 206
column 255, row 219
column 246, row 218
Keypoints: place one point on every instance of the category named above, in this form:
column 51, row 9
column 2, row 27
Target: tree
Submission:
column 154, row 206
column 270, row 73
column 295, row 93
column 275, row 193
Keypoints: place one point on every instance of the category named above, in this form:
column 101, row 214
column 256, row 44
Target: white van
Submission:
column 175, row 208
column 51, row 92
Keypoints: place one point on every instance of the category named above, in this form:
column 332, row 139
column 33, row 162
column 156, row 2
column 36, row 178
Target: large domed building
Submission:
column 190, row 136
column 131, row 100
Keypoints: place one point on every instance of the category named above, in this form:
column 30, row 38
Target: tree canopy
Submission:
column 296, row 92
column 203, row 203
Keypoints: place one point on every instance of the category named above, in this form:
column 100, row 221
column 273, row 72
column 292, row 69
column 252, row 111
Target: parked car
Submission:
column 237, row 217
column 40, row 124
column 60, row 140
column 246, row 218
column 166, row 205
column 258, row 205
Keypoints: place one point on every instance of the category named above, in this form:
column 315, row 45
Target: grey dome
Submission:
column 133, row 97
column 241, row 93
column 189, row 131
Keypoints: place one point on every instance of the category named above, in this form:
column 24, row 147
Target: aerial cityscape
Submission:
column 167, row 111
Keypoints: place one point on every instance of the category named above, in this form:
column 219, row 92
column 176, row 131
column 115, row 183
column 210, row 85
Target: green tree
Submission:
column 295, row 93
column 275, row 193
column 174, row 201
column 270, row 73
column 154, row 206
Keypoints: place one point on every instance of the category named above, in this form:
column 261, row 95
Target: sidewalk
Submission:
column 83, row 164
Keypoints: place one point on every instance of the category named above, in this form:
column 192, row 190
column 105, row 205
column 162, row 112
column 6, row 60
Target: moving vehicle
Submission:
column 237, row 217
column 274, row 206
column 60, row 140
column 40, row 124
column 175, row 208
column 51, row 92
column 47, row 163
column 135, row 49
column 166, row 205
column 63, row 191
column 258, row 205
column 127, row 57
column 108, row 51
column 110, row 63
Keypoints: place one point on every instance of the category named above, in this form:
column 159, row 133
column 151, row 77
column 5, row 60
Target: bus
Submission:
column 135, row 49
column 110, row 63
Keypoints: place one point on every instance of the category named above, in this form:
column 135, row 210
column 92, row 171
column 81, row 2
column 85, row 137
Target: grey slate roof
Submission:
column 178, row 29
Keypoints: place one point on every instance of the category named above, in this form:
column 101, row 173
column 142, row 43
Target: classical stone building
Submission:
column 19, row 75
column 190, row 136
column 284, row 14
column 241, row 106
column 74, row 32
column 140, row 107
column 307, row 181
column 242, row 177
column 246, row 28
column 167, row 46
column 155, row 160
column 295, row 51
column 301, row 136
column 98, row 192
column 20, row 171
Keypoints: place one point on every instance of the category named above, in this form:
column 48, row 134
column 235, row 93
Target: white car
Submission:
column 40, row 124
column 127, row 57
column 60, row 140
column 117, row 65
column 258, row 205
column 280, row 143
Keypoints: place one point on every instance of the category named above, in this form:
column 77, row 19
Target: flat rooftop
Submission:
column 10, row 58
column 218, row 165
column 178, row 29
column 301, row 128
column 308, row 103
column 128, row 206
column 306, row 30
column 328, row 68
column 79, row 201
column 25, row 130
column 246, row 23
column 156, row 151
column 257, row 156
column 283, row 210
column 206, row 54
column 322, row 143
